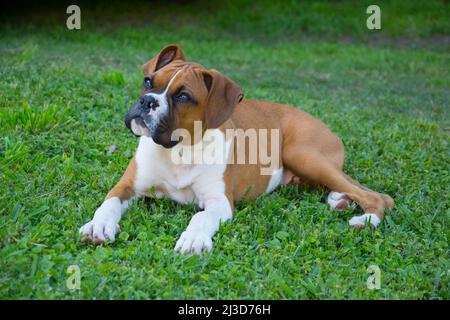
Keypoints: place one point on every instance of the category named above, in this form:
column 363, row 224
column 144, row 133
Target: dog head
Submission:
column 176, row 93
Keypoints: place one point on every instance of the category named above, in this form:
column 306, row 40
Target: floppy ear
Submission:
column 164, row 57
column 223, row 96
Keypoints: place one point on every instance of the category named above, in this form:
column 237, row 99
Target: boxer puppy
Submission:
column 177, row 96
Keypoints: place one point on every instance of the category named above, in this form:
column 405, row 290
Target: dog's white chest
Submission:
column 158, row 169
column 182, row 176
column 177, row 184
column 156, row 173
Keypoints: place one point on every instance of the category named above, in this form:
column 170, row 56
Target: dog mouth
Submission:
column 138, row 127
column 159, row 131
column 159, row 128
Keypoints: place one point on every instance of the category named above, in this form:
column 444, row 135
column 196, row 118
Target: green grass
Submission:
column 63, row 97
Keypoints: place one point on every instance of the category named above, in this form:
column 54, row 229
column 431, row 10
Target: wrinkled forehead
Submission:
column 178, row 75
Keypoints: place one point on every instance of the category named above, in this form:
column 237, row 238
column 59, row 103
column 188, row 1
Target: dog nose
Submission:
column 149, row 102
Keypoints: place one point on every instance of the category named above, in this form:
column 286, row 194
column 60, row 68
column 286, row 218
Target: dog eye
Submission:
column 183, row 97
column 147, row 83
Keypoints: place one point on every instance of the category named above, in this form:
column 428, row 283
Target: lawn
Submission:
column 386, row 93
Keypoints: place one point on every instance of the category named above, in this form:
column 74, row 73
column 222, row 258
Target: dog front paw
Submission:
column 193, row 242
column 99, row 231
column 105, row 224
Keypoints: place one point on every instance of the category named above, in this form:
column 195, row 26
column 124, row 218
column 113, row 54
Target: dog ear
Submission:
column 164, row 57
column 223, row 96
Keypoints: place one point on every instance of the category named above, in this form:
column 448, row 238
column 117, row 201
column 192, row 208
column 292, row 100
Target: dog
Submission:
column 177, row 96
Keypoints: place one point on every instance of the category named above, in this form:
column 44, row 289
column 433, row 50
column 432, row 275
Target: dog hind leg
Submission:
column 314, row 166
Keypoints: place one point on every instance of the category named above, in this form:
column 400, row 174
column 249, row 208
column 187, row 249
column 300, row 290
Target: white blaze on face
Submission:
column 163, row 104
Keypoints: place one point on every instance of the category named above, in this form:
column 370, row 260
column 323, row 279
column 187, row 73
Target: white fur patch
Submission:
column 156, row 169
column 334, row 198
column 162, row 101
column 275, row 180
column 366, row 217
column 105, row 223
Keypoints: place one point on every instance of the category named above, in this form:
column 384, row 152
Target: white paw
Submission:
column 193, row 242
column 198, row 235
column 105, row 224
column 99, row 231
column 360, row 221
column 338, row 201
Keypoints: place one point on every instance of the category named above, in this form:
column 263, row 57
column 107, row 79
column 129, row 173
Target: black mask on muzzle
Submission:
column 139, row 112
column 158, row 130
